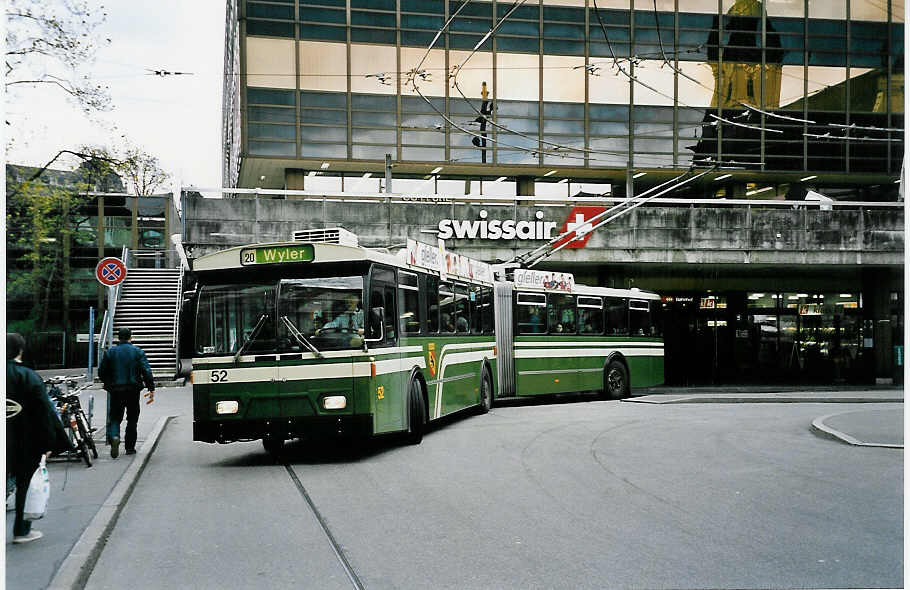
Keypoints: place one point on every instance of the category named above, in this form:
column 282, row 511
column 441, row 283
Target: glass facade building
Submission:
column 99, row 225
column 778, row 91
column 554, row 98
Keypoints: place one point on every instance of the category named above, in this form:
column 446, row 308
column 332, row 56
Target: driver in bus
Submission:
column 351, row 319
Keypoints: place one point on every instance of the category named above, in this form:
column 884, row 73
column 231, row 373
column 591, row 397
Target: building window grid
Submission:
column 676, row 153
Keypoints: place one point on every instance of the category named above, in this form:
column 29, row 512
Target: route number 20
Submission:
column 219, row 376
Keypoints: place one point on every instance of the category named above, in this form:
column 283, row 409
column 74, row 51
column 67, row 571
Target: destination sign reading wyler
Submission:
column 276, row 254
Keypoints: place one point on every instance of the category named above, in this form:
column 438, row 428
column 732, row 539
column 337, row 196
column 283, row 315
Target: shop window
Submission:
column 761, row 300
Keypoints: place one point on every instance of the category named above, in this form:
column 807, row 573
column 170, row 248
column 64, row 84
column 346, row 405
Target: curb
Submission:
column 761, row 399
column 819, row 426
column 78, row 564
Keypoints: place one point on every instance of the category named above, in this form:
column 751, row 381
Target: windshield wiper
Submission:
column 299, row 337
column 251, row 337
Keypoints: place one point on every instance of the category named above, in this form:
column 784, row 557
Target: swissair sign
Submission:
column 579, row 223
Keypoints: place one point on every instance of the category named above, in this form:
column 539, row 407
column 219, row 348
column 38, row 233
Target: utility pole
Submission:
column 388, row 173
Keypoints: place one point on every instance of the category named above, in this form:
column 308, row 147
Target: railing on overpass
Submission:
column 531, row 199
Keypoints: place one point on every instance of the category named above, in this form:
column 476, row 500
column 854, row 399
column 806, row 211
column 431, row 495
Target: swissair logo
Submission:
column 579, row 222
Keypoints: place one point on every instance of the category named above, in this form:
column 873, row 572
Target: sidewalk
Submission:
column 85, row 502
column 867, row 428
column 79, row 494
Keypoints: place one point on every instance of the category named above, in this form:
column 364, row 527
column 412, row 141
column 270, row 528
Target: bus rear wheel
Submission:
column 616, row 381
column 416, row 413
column 486, row 392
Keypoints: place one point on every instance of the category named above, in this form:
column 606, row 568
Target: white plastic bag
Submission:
column 10, row 493
column 39, row 490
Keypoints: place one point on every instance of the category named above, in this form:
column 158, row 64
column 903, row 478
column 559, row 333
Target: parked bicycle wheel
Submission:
column 70, row 422
column 84, row 452
column 86, row 433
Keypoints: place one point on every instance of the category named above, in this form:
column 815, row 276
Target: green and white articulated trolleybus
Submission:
column 301, row 338
column 308, row 337
column 555, row 336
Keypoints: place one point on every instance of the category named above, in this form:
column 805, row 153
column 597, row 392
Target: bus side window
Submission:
column 476, row 297
column 432, row 299
column 409, row 302
column 462, row 310
column 639, row 318
column 446, row 308
column 487, row 310
column 530, row 313
column 590, row 315
column 657, row 319
column 561, row 312
column 391, row 313
column 616, row 314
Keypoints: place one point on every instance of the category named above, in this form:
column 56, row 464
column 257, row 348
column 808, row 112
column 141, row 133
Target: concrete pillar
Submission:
column 877, row 330
column 293, row 179
column 736, row 190
column 525, row 186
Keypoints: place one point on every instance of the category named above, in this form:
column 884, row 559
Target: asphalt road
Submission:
column 595, row 494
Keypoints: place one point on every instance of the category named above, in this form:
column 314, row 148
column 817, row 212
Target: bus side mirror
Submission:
column 376, row 326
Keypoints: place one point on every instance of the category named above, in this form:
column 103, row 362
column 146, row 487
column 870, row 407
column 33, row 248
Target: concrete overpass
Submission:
column 668, row 245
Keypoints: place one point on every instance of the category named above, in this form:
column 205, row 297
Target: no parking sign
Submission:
column 110, row 271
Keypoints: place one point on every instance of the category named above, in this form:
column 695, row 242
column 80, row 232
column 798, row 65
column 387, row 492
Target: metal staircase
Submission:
column 149, row 306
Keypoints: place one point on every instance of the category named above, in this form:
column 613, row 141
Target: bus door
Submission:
column 320, row 323
column 388, row 390
column 236, row 331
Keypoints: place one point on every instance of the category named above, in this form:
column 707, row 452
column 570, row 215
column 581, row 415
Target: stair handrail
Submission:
column 158, row 256
column 107, row 323
column 176, row 327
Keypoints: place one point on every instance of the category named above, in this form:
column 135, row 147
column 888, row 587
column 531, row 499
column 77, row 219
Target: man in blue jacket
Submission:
column 124, row 369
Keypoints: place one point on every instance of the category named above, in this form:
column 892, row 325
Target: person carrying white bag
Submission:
column 39, row 492
column 31, row 434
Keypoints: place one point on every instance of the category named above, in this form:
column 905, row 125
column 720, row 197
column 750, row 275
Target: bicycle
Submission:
column 73, row 416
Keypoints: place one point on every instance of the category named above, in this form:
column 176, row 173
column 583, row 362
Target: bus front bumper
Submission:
column 225, row 431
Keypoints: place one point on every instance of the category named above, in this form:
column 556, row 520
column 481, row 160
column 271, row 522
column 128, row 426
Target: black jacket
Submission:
column 36, row 429
column 124, row 366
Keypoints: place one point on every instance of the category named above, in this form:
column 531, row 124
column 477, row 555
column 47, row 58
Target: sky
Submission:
column 176, row 118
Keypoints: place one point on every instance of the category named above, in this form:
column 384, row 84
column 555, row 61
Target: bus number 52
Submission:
column 219, row 376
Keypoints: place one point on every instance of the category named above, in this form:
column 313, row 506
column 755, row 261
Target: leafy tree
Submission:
column 47, row 44
column 42, row 220
column 142, row 171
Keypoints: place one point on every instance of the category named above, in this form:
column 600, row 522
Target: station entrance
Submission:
column 746, row 337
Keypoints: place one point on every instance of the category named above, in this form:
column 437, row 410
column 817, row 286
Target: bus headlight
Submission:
column 227, row 407
column 334, row 402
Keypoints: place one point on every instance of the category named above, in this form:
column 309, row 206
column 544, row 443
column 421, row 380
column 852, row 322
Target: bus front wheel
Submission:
column 616, row 381
column 416, row 413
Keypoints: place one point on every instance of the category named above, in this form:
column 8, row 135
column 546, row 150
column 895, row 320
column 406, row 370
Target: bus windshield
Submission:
column 326, row 312
column 228, row 315
column 295, row 315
